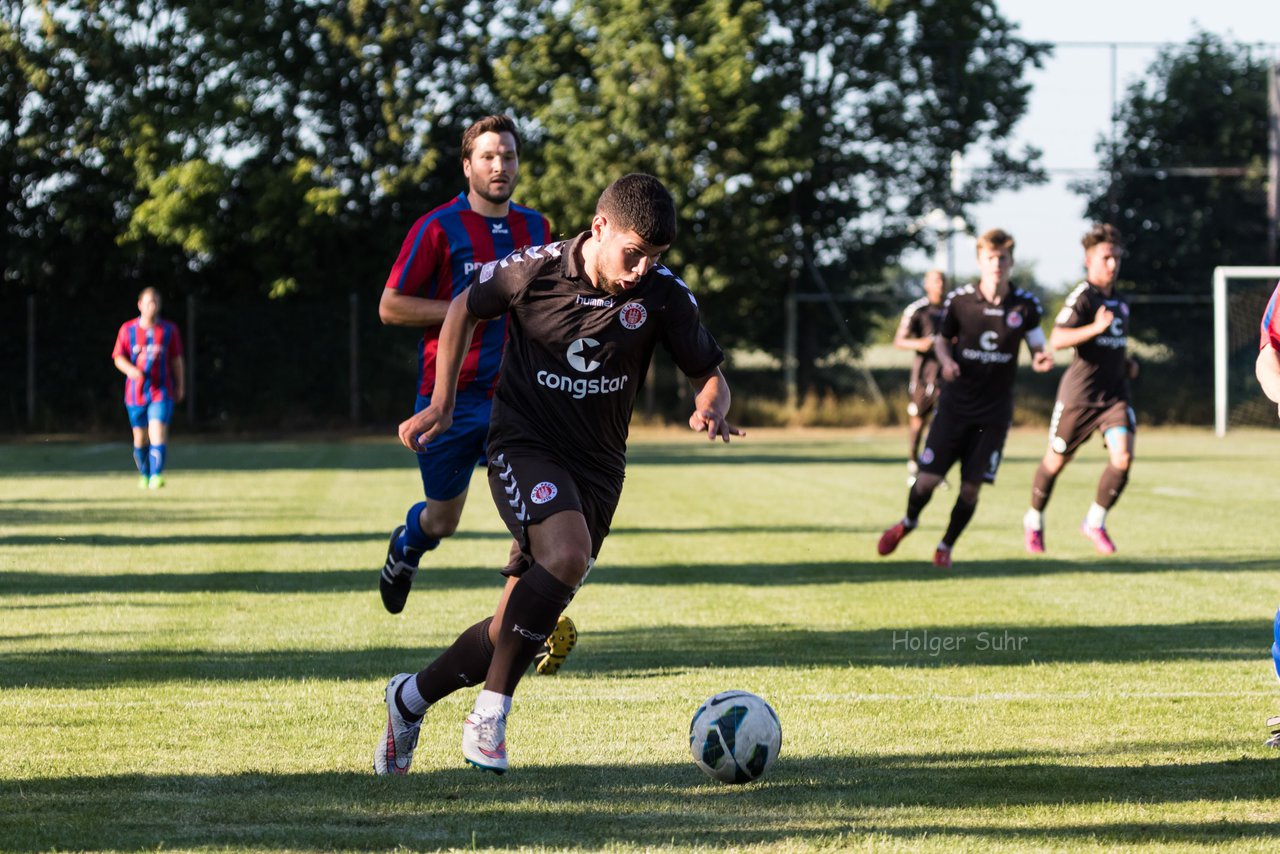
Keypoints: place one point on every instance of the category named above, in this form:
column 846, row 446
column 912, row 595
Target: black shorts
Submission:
column 529, row 486
column 1071, row 426
column 977, row 446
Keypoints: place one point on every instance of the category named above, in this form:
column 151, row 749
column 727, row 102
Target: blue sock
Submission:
column 140, row 460
column 413, row 542
column 157, row 459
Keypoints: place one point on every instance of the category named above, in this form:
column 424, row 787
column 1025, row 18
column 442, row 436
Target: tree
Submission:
column 1202, row 104
column 803, row 138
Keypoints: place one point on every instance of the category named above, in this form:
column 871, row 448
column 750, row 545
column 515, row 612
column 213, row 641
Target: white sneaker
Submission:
column 395, row 751
column 484, row 740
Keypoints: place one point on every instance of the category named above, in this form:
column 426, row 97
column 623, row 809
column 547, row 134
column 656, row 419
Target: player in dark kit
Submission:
column 1094, row 392
column 583, row 319
column 920, row 322
column 982, row 329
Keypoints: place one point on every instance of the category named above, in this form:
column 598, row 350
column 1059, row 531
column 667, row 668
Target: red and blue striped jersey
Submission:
column 1270, row 329
column 153, row 350
column 436, row 261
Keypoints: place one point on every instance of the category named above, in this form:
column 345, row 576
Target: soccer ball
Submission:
column 735, row 736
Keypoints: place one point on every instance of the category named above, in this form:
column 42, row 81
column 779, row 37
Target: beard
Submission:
column 497, row 196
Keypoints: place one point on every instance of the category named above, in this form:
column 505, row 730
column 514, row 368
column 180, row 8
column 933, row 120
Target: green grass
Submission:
column 202, row 667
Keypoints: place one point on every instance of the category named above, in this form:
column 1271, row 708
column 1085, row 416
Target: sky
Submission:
column 1071, row 104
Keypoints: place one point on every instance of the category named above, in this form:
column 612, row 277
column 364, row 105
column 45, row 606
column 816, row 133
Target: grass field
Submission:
column 202, row 667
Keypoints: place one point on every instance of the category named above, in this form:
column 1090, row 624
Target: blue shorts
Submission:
column 156, row 410
column 450, row 458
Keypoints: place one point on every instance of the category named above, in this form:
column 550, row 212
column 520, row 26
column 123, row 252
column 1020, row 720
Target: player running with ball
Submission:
column 583, row 318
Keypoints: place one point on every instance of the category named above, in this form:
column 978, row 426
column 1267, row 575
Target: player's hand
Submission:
column 1103, row 319
column 713, row 424
column 419, row 429
column 950, row 370
column 1042, row 362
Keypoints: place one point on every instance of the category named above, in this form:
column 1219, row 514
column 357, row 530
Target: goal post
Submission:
column 1229, row 338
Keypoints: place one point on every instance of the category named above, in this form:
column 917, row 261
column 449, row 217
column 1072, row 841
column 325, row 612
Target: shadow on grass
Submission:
column 806, row 802
column 18, row 583
column 675, row 648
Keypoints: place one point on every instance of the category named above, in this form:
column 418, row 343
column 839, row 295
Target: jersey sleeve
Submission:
column 175, row 343
column 122, row 344
column 909, row 326
column 950, row 326
column 496, row 287
column 416, row 269
column 1072, row 314
column 1270, row 327
column 691, row 346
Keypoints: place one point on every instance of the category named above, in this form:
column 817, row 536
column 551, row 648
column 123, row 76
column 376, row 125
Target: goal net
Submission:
column 1240, row 295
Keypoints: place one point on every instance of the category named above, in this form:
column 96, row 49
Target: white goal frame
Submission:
column 1220, row 339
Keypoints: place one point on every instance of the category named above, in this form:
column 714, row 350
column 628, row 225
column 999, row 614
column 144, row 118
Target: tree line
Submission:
column 264, row 157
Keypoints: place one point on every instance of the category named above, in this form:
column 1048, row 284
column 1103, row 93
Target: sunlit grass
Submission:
column 202, row 666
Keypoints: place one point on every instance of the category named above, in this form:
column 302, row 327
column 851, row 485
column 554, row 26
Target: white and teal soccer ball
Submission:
column 735, row 737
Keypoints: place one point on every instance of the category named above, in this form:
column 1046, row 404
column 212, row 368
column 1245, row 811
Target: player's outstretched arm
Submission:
column 1267, row 369
column 455, row 339
column 711, row 405
column 397, row 309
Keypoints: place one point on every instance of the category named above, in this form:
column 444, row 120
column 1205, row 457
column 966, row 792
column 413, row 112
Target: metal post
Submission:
column 1273, row 162
column 353, row 345
column 790, row 361
column 190, row 360
column 31, row 360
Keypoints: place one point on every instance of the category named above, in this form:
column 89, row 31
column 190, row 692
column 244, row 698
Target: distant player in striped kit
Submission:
column 148, row 352
column 435, row 264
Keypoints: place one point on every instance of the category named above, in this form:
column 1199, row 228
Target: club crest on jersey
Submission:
column 926, row 456
column 543, row 492
column 1014, row 319
column 633, row 315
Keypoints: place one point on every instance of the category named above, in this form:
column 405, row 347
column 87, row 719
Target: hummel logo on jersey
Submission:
column 595, row 302
column 581, row 355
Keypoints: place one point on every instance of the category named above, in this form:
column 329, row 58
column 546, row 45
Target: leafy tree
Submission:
column 1202, row 104
column 802, row 139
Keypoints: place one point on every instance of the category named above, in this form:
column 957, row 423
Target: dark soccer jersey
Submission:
column 575, row 355
column 985, row 338
column 922, row 319
column 437, row 260
column 1099, row 373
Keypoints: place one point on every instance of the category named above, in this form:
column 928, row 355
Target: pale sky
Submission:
column 1071, row 105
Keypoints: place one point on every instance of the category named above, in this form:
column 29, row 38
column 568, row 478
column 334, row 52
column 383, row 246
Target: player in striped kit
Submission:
column 436, row 263
column 148, row 352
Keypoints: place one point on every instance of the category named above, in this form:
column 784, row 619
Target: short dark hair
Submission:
column 640, row 203
column 149, row 290
column 996, row 239
column 489, row 124
column 1102, row 232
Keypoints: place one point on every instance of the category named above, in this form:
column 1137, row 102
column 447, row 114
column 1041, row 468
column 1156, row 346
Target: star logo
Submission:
column 582, row 353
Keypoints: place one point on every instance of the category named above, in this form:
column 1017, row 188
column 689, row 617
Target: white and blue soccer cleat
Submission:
column 484, row 740
column 394, row 752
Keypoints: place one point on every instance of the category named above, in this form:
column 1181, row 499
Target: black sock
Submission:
column 464, row 663
column 1110, row 485
column 917, row 498
column 960, row 516
column 532, row 609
